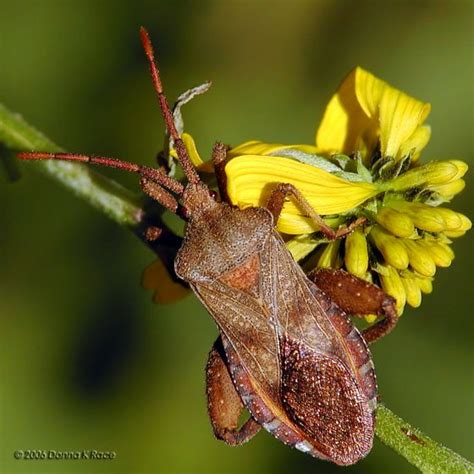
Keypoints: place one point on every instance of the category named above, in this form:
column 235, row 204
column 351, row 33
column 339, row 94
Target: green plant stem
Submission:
column 102, row 193
column 417, row 448
column 124, row 208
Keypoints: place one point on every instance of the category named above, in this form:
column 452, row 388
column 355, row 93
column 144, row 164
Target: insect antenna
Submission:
column 152, row 179
column 183, row 156
column 154, row 174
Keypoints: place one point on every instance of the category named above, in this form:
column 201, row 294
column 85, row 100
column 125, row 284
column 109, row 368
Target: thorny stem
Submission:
column 121, row 206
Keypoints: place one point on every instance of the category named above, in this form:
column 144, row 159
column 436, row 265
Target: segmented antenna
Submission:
column 151, row 178
column 183, row 156
column 152, row 174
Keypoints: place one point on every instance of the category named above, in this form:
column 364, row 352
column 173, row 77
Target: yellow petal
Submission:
column 398, row 114
column 423, row 216
column 416, row 142
column 252, row 178
column 166, row 290
column 452, row 219
column 345, row 122
column 255, row 147
column 365, row 109
column 204, row 166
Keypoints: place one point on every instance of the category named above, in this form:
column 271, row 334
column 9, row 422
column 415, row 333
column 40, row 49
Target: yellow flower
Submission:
column 363, row 162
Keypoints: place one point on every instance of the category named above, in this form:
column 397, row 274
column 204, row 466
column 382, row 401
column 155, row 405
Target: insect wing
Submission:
column 324, row 362
column 296, row 350
column 249, row 330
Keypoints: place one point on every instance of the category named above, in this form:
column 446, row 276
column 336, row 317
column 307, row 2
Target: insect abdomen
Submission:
column 355, row 348
column 321, row 396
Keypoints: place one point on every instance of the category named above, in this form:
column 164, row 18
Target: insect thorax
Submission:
column 220, row 240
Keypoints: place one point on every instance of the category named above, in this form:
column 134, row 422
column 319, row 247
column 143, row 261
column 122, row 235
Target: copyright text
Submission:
column 56, row 455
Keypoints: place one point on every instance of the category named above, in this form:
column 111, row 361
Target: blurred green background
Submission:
column 87, row 361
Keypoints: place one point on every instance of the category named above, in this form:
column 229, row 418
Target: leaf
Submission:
column 308, row 158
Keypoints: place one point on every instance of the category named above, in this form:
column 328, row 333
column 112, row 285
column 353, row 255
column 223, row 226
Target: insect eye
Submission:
column 213, row 194
column 183, row 212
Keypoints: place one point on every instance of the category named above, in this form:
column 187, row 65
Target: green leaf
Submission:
column 308, row 158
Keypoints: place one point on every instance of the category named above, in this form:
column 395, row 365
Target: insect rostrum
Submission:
column 287, row 351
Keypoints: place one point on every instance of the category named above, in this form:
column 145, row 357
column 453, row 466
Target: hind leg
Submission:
column 358, row 297
column 224, row 403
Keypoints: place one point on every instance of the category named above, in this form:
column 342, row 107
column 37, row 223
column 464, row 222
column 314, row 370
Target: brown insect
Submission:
column 287, row 350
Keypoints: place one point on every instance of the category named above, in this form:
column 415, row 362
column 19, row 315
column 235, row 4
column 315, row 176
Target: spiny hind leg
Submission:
column 358, row 297
column 223, row 402
column 277, row 200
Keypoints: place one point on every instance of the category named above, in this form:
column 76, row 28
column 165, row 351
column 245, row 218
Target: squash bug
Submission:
column 287, row 350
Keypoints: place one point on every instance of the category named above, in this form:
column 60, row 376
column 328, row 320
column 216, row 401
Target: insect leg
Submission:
column 224, row 403
column 277, row 199
column 358, row 297
column 219, row 154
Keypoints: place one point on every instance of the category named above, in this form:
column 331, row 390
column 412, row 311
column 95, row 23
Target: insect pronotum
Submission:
column 286, row 351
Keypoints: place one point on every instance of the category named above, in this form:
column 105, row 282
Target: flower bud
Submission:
column 395, row 222
column 370, row 318
column 392, row 250
column 448, row 190
column 423, row 216
column 428, row 219
column 441, row 257
column 466, row 222
column 455, row 221
column 392, row 284
column 425, row 284
column 452, row 219
column 329, row 257
column 300, row 246
column 454, row 234
column 356, row 258
column 433, row 173
column 420, row 259
column 413, row 292
column 447, row 249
